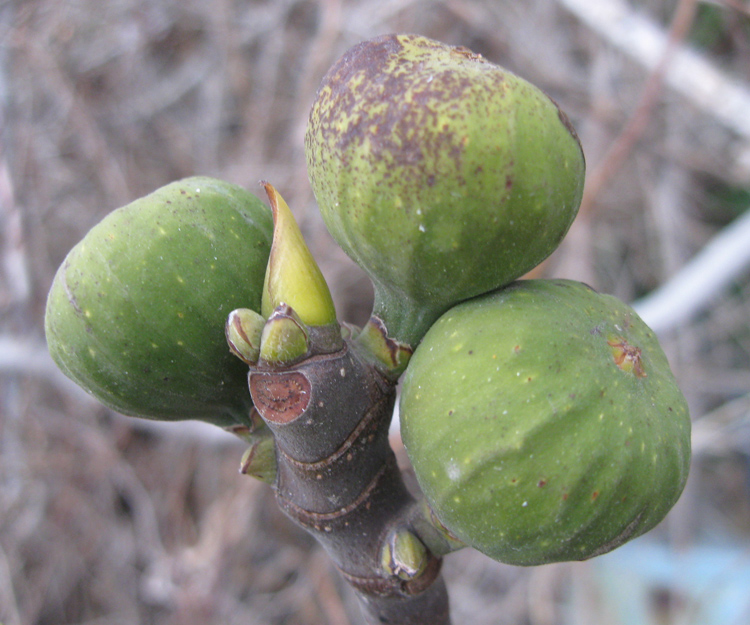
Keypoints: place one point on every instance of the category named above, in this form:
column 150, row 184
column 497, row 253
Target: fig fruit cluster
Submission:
column 542, row 419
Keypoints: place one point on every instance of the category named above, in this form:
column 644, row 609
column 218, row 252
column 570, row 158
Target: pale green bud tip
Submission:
column 292, row 275
column 285, row 339
column 243, row 331
column 404, row 555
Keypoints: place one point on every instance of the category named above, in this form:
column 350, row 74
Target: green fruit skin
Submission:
column 529, row 441
column 442, row 175
column 136, row 312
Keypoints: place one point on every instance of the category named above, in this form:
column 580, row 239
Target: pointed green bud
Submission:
column 259, row 460
column 243, row 330
column 292, row 276
column 404, row 555
column 285, row 338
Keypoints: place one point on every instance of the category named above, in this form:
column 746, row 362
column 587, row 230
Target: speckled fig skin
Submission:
column 441, row 174
column 544, row 423
column 136, row 311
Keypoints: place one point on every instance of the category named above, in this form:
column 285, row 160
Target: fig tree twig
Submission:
column 689, row 73
column 638, row 122
column 337, row 478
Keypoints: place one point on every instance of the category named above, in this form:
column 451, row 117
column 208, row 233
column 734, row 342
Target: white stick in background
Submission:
column 724, row 259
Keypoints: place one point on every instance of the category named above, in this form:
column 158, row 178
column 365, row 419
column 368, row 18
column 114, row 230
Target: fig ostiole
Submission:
column 441, row 174
column 136, row 310
column 544, row 423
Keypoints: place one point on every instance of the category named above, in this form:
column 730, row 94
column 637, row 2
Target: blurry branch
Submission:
column 7, row 593
column 650, row 96
column 662, row 58
column 166, row 92
column 14, row 262
column 728, row 100
column 741, row 6
column 30, row 357
column 81, row 120
column 726, row 428
column 686, row 293
column 688, row 73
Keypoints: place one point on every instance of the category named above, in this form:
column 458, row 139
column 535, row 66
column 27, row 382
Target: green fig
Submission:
column 441, row 174
column 544, row 423
column 136, row 312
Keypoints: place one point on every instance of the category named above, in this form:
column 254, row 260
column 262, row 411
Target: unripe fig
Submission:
column 441, row 174
column 136, row 312
column 544, row 423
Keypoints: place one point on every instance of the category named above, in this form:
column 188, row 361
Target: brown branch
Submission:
column 337, row 477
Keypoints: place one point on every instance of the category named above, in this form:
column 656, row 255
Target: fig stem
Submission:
column 408, row 322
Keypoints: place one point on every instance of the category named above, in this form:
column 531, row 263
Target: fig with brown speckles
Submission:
column 441, row 174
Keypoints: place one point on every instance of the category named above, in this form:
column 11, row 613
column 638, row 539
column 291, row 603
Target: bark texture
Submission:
column 337, row 477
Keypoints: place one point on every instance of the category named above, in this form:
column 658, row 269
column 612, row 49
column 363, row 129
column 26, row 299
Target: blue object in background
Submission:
column 649, row 583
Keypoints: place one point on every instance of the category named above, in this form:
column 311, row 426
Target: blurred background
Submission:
column 110, row 521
